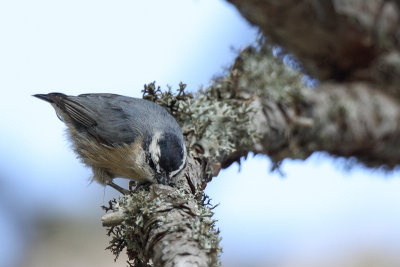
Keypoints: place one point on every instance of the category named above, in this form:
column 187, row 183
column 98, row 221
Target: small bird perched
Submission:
column 120, row 136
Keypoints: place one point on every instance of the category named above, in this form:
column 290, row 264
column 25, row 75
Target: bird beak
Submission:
column 162, row 179
column 43, row 97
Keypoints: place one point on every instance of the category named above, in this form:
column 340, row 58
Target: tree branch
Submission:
column 164, row 226
column 353, row 119
column 334, row 39
column 262, row 106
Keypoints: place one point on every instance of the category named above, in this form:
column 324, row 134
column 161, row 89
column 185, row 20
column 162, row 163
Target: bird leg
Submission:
column 132, row 184
column 118, row 188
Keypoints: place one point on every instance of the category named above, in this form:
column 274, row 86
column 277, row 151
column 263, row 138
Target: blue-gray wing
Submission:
column 115, row 119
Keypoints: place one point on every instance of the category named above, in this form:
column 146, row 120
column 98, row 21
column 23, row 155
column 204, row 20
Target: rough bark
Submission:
column 352, row 119
column 352, row 47
column 334, row 39
column 165, row 226
column 262, row 106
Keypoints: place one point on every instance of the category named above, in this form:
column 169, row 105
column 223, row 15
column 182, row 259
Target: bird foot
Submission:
column 132, row 184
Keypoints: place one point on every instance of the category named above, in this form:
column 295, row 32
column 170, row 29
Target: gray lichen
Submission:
column 261, row 73
column 160, row 217
column 215, row 121
column 263, row 106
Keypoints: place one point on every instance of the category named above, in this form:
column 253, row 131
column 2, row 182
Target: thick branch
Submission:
column 262, row 106
column 352, row 120
column 165, row 226
column 334, row 39
column 349, row 119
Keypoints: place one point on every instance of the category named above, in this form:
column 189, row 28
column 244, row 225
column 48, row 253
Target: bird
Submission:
column 121, row 136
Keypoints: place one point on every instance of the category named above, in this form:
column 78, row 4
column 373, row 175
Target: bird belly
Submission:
column 125, row 160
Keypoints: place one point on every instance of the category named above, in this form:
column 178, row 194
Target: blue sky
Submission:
column 117, row 46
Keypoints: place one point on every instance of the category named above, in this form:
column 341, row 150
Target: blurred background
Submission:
column 319, row 213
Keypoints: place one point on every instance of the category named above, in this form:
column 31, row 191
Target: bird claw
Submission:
column 131, row 185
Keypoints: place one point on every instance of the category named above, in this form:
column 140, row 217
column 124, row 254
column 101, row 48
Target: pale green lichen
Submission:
column 144, row 213
column 214, row 121
column 267, row 76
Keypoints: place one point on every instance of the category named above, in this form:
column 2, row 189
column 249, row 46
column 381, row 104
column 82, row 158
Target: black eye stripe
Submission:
column 150, row 161
column 171, row 156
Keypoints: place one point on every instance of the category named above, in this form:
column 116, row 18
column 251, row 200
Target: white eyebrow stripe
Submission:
column 182, row 165
column 155, row 151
